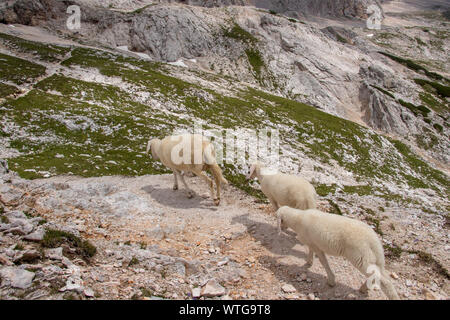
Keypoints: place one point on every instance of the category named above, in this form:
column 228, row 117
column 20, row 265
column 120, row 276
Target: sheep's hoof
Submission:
column 363, row 289
column 175, row 188
column 331, row 283
column 190, row 195
column 216, row 202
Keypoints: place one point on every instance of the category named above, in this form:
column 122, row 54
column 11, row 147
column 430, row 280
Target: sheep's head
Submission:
column 253, row 171
column 152, row 146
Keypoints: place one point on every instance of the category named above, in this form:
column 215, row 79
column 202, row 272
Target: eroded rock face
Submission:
column 336, row 8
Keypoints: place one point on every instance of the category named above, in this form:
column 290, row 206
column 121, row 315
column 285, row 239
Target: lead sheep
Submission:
column 171, row 151
column 283, row 189
column 335, row 235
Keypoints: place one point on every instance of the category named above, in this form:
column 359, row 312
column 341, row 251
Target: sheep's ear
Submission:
column 252, row 170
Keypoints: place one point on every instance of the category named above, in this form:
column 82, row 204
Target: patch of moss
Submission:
column 438, row 127
column 55, row 238
column 18, row 70
column 133, row 262
column 256, row 61
column 334, row 207
column 238, row 33
column 361, row 190
column 413, row 66
column 424, row 111
column 324, row 190
column 43, row 51
column 384, row 91
column 442, row 90
column 7, row 90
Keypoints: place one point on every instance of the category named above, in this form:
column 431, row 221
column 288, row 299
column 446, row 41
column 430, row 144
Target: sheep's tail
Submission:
column 217, row 173
column 148, row 146
column 379, row 279
column 210, row 159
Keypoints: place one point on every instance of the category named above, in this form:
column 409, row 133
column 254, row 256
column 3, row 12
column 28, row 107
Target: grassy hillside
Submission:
column 67, row 125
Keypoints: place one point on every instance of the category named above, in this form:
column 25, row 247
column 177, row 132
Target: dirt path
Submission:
column 237, row 243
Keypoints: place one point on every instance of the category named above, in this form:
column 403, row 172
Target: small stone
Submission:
column 226, row 297
column 27, row 256
column 212, row 289
column 18, row 278
column 196, row 293
column 288, row 288
column 55, row 254
column 222, row 263
column 311, row 296
column 394, row 276
column 408, row 283
column 351, row 296
column 303, row 277
column 35, row 236
column 88, row 292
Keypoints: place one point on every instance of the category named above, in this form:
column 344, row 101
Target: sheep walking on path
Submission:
column 284, row 189
column 188, row 153
column 336, row 235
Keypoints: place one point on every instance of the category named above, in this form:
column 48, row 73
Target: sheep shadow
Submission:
column 178, row 198
column 283, row 245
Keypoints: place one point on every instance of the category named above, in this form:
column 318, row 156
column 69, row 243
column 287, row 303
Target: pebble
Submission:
column 196, row 293
column 288, row 288
column 311, row 296
column 212, row 289
column 88, row 292
column 394, row 276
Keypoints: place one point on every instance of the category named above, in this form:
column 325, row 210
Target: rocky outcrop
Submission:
column 335, row 8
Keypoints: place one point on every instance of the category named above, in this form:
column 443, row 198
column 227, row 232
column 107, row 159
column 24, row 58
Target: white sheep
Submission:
column 283, row 189
column 188, row 153
column 336, row 235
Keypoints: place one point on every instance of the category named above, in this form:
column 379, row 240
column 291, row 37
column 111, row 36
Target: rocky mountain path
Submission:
column 153, row 242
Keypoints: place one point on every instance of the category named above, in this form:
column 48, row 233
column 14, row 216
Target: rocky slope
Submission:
column 332, row 66
column 135, row 238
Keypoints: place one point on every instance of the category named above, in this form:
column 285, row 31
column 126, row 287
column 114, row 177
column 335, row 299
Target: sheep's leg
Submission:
column 210, row 183
column 175, row 183
column 363, row 289
column 324, row 261
column 388, row 288
column 310, row 259
column 274, row 204
column 190, row 192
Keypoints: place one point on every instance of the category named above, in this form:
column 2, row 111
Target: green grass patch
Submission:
column 256, row 61
column 18, row 70
column 384, row 91
column 442, row 90
column 55, row 238
column 236, row 32
column 7, row 90
column 43, row 51
column 413, row 66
